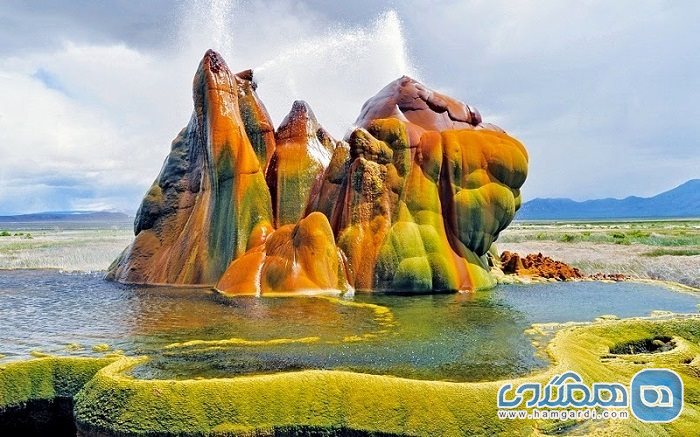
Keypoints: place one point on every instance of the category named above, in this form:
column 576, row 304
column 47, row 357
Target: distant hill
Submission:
column 682, row 201
column 67, row 216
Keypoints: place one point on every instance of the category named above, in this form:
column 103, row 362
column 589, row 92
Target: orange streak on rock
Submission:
column 301, row 258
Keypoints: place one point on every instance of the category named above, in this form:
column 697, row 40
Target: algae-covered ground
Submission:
column 668, row 250
column 333, row 402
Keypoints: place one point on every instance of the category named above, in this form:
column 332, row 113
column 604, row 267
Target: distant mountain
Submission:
column 682, row 201
column 67, row 216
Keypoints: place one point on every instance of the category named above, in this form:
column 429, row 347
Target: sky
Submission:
column 603, row 94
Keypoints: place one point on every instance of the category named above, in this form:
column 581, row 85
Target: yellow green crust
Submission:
column 330, row 401
column 46, row 378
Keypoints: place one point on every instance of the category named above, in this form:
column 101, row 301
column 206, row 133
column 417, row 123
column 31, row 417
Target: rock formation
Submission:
column 303, row 152
column 538, row 265
column 424, row 193
column 256, row 121
column 210, row 203
column 296, row 258
column 410, row 202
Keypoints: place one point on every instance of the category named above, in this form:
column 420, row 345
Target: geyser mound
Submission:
column 410, row 201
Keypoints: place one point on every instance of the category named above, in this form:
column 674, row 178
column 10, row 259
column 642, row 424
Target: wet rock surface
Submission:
column 304, row 150
column 210, row 202
column 410, row 201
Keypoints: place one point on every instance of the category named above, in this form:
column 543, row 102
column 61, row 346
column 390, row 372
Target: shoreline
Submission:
column 511, row 279
column 583, row 347
column 501, row 279
column 548, row 330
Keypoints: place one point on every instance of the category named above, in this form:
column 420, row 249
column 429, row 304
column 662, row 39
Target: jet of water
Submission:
column 335, row 70
column 208, row 23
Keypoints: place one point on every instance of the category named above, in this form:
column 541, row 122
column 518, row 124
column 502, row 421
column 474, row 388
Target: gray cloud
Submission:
column 44, row 25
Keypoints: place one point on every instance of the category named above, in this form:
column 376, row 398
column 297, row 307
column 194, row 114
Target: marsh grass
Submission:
column 64, row 249
column 673, row 252
column 666, row 250
column 648, row 233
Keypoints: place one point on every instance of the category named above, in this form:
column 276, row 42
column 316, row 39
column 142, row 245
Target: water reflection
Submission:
column 196, row 333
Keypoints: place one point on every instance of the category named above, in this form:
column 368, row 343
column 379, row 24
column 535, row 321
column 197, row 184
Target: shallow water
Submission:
column 448, row 337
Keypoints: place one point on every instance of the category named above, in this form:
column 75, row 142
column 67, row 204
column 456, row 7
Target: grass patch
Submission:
column 25, row 235
column 568, row 238
column 16, row 246
column 651, row 233
column 72, row 249
column 672, row 252
column 620, row 238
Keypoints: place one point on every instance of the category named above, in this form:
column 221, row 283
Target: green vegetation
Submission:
column 651, row 233
column 673, row 252
column 67, row 249
column 46, row 378
column 25, row 235
column 568, row 238
column 330, row 401
column 72, row 347
column 630, row 248
column 646, row 345
column 102, row 347
column 107, row 399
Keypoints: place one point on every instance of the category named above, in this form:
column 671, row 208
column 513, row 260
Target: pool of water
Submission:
column 191, row 332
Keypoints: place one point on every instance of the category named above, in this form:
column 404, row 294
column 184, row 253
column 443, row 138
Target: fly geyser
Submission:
column 410, row 201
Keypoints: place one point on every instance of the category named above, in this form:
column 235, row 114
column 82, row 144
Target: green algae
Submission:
column 413, row 274
column 108, row 400
column 102, row 348
column 329, row 401
column 74, row 347
column 46, row 378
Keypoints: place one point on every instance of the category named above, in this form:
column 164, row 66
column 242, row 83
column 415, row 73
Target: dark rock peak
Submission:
column 246, row 75
column 301, row 125
column 214, row 60
column 212, row 76
column 244, row 80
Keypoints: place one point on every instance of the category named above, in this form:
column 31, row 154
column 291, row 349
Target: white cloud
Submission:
column 98, row 135
column 98, row 132
column 601, row 93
